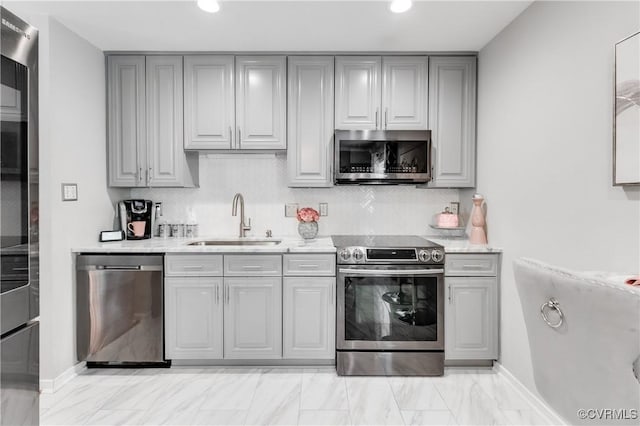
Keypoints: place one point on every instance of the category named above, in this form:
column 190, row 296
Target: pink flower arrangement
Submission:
column 307, row 214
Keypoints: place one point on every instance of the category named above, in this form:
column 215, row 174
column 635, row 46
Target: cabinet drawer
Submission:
column 471, row 265
column 252, row 265
column 309, row 264
column 202, row 265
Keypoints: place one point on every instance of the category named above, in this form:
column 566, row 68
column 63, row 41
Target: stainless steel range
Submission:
column 390, row 318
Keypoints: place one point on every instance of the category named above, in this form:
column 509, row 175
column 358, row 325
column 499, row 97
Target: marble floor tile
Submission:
column 324, row 417
column 525, row 417
column 470, row 404
column 220, row 417
column 371, row 402
column 116, row 418
column 289, row 396
column 416, row 393
column 323, row 390
column 231, row 390
column 428, row 417
column 138, row 396
column 276, row 400
column 507, row 397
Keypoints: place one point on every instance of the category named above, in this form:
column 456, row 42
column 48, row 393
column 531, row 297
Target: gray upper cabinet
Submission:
column 261, row 102
column 209, row 102
column 380, row 93
column 310, row 121
column 357, row 105
column 452, row 118
column 165, row 164
column 126, row 120
column 145, row 110
column 404, row 92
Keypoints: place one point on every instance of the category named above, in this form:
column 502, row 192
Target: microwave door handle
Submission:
column 385, row 272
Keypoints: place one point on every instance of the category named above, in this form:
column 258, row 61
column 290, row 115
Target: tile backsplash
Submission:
column 262, row 180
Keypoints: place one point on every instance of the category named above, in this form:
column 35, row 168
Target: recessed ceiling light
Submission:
column 210, row 6
column 399, row 6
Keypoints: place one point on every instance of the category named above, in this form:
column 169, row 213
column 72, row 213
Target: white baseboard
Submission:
column 539, row 405
column 51, row 386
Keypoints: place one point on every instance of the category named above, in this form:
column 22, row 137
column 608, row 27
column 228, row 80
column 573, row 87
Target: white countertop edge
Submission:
column 462, row 245
column 181, row 245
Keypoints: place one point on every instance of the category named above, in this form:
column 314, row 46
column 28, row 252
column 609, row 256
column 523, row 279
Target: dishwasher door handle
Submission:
column 123, row 268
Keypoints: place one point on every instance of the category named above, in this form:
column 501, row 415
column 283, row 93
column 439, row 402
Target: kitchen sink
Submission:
column 235, row 243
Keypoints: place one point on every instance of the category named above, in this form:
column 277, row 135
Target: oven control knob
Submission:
column 437, row 255
column 358, row 255
column 424, row 255
column 344, row 255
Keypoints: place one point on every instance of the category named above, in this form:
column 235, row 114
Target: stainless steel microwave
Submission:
column 382, row 157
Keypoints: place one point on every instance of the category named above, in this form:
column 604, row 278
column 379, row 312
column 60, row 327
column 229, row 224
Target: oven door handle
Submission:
column 401, row 272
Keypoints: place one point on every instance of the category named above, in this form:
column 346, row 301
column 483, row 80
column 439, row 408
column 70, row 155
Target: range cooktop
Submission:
column 353, row 249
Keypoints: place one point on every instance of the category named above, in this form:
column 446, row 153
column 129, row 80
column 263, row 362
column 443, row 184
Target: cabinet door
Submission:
column 310, row 121
column 261, row 89
column 165, row 151
column 452, row 119
column 358, row 92
column 471, row 318
column 309, row 313
column 193, row 318
column 126, row 111
column 209, row 103
column 253, row 318
column 404, row 92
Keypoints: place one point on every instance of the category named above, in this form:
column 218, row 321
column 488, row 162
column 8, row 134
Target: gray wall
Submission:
column 544, row 150
column 72, row 149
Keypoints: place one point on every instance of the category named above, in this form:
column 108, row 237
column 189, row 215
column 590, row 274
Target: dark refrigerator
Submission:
column 19, row 253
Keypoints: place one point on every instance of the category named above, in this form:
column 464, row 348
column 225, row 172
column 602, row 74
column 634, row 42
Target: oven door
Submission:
column 390, row 307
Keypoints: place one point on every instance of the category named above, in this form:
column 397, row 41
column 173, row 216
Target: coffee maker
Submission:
column 131, row 211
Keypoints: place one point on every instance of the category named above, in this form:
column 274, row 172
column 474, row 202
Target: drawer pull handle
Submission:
column 471, row 267
column 193, row 267
column 252, row 267
column 308, row 266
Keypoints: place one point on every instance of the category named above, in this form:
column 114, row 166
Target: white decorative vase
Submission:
column 308, row 230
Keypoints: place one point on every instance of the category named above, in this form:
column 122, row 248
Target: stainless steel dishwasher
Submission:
column 119, row 309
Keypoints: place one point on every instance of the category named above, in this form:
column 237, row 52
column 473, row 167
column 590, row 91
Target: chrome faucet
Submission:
column 234, row 212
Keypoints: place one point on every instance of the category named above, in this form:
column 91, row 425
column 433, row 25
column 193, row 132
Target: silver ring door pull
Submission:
column 552, row 304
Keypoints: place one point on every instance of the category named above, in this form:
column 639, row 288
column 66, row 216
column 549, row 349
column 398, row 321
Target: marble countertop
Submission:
column 322, row 244
column 181, row 245
column 462, row 245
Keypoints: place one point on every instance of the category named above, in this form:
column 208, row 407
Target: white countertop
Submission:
column 462, row 245
column 181, row 245
column 288, row 245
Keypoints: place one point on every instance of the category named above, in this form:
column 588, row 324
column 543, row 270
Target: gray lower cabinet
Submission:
column 452, row 120
column 309, row 316
column 471, row 307
column 253, row 318
column 193, row 315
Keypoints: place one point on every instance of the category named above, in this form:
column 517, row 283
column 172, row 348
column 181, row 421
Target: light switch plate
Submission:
column 324, row 209
column 69, row 192
column 291, row 210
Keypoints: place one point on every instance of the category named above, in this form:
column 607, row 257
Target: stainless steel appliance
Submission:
column 119, row 309
column 390, row 318
column 19, row 304
column 382, row 156
column 136, row 211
